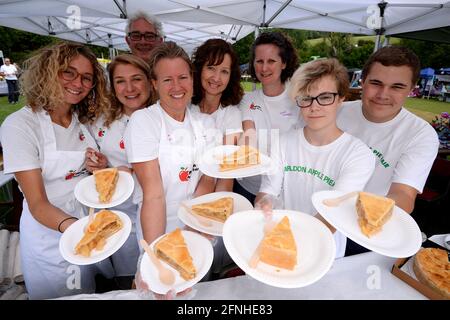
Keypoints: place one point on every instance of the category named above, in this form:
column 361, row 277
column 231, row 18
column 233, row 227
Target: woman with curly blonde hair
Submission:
column 44, row 145
column 131, row 90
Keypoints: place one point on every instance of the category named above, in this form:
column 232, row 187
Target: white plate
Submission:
column 202, row 255
column 87, row 194
column 209, row 164
column 316, row 249
column 240, row 203
column 75, row 232
column 399, row 238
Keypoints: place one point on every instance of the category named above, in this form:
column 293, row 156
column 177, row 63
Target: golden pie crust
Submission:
column 105, row 183
column 218, row 210
column 278, row 248
column 373, row 212
column 432, row 268
column 245, row 156
column 104, row 225
column 173, row 249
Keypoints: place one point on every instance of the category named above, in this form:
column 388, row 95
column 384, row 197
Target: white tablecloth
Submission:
column 363, row 276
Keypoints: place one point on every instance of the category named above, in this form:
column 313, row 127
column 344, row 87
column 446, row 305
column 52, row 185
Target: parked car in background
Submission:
column 3, row 87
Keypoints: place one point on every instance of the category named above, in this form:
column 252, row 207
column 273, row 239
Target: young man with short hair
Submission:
column 404, row 144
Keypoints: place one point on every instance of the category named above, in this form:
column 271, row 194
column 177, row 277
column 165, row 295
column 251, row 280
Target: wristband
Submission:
column 63, row 220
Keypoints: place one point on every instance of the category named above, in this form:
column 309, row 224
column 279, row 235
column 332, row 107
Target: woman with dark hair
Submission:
column 131, row 90
column 218, row 91
column 44, row 145
column 268, row 111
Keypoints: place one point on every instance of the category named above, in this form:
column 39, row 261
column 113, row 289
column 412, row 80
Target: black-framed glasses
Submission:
column 323, row 99
column 87, row 79
column 148, row 36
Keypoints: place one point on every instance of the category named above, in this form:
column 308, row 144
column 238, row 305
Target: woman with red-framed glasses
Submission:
column 44, row 145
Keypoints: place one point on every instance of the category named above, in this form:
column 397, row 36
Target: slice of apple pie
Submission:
column 243, row 157
column 218, row 210
column 278, row 247
column 104, row 225
column 105, row 183
column 173, row 249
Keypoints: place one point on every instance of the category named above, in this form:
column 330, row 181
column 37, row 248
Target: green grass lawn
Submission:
column 6, row 108
column 248, row 85
column 355, row 40
column 426, row 109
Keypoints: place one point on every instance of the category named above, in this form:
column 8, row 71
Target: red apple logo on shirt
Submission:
column 101, row 132
column 255, row 107
column 121, row 144
column 184, row 174
column 81, row 136
column 70, row 175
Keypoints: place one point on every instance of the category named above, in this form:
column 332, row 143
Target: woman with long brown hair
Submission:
column 218, row 91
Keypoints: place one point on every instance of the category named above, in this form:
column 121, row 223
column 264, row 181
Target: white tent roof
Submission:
column 190, row 22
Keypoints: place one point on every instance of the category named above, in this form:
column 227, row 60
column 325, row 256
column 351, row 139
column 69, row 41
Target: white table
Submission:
column 364, row 276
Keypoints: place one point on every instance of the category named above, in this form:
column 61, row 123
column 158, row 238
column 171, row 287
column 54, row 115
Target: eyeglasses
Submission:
column 323, row 99
column 148, row 36
column 70, row 74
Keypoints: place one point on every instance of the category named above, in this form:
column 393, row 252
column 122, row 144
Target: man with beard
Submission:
column 143, row 33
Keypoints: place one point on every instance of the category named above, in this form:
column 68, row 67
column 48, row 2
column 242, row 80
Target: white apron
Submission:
column 46, row 273
column 179, row 171
column 111, row 143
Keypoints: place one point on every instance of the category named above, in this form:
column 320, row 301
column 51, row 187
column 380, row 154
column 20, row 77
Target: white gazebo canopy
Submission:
column 191, row 22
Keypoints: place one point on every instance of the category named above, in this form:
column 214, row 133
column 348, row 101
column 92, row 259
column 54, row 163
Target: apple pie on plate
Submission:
column 104, row 225
column 209, row 212
column 83, row 243
column 218, row 210
column 105, row 183
column 188, row 254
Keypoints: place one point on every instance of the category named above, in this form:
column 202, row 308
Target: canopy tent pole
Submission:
column 266, row 24
column 122, row 8
column 380, row 31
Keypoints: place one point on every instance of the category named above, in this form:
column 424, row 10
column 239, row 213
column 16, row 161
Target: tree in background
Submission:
column 431, row 54
column 20, row 45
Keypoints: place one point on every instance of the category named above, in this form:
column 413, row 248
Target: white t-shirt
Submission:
column 23, row 143
column 272, row 116
column 405, row 147
column 10, row 71
column 143, row 132
column 110, row 140
column 227, row 119
column 346, row 164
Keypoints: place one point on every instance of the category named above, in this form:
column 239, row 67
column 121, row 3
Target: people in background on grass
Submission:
column 319, row 156
column 404, row 145
column 44, row 145
column 10, row 72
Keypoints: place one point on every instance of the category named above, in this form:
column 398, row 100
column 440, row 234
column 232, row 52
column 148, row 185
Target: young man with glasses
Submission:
column 404, row 145
column 319, row 156
column 143, row 33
